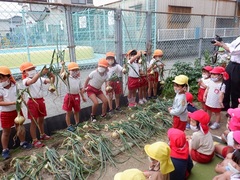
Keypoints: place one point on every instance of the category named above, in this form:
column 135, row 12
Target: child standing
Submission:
column 155, row 66
column 72, row 98
column 203, row 83
column 115, row 81
column 36, row 105
column 133, row 77
column 213, row 96
column 93, row 86
column 201, row 143
column 8, row 97
column 179, row 108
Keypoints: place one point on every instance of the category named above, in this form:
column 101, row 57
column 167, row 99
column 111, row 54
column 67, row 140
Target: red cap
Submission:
column 178, row 143
column 236, row 136
column 234, row 123
column 189, row 97
column 208, row 68
column 220, row 70
column 202, row 117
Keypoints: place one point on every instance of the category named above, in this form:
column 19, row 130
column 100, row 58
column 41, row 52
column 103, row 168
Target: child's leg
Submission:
column 5, row 137
column 33, row 128
column 68, row 116
column 218, row 117
column 110, row 98
column 154, row 88
column 150, row 87
column 41, row 125
column 105, row 103
column 140, row 93
column 93, row 98
column 76, row 117
column 117, row 100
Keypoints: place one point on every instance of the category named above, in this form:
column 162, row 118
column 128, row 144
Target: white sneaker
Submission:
column 215, row 125
column 140, row 102
column 144, row 100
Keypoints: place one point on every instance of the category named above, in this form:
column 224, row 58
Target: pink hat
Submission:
column 220, row 70
column 189, row 97
column 234, row 123
column 202, row 117
column 207, row 68
column 236, row 136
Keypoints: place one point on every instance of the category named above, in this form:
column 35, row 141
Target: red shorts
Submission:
column 133, row 83
column 177, row 123
column 36, row 108
column 200, row 94
column 7, row 118
column 71, row 102
column 153, row 77
column 117, row 87
column 201, row 158
column 226, row 150
column 144, row 81
column 92, row 90
column 215, row 110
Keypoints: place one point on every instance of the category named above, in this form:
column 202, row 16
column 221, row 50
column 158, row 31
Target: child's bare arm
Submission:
column 51, row 79
column 62, row 68
column 4, row 103
column 86, row 82
column 205, row 94
column 221, row 96
column 35, row 78
column 82, row 95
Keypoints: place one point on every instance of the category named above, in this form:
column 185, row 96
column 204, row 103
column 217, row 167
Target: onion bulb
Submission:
column 52, row 87
column 152, row 72
column 133, row 116
column 124, row 70
column 19, row 120
column 108, row 88
column 115, row 135
column 162, row 82
column 85, row 126
column 140, row 61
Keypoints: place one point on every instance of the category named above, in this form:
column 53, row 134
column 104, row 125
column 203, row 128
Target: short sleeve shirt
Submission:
column 96, row 79
column 35, row 89
column 75, row 85
column 9, row 95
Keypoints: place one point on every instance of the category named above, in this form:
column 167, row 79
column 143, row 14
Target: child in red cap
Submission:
column 190, row 106
column 233, row 124
column 214, row 94
column 201, row 142
column 203, row 83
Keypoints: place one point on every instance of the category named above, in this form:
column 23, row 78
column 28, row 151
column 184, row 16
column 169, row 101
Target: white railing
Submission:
column 194, row 33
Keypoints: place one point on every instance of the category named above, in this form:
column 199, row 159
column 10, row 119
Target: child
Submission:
column 93, row 86
column 213, row 96
column 115, row 81
column 203, row 83
column 179, row 108
column 201, row 142
column 71, row 102
column 179, row 154
column 190, row 106
column 154, row 69
column 222, row 57
column 8, row 97
column 233, row 125
column 36, row 105
column 133, row 77
column 160, row 161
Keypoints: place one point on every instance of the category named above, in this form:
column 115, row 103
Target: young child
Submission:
column 130, row 174
column 179, row 154
column 232, row 125
column 201, row 143
column 190, row 106
column 144, row 81
column 179, row 108
column 93, row 85
column 154, row 68
column 160, row 161
column 71, row 102
column 203, row 83
column 133, row 77
column 115, row 81
column 213, row 96
column 222, row 57
column 36, row 105
column 8, row 97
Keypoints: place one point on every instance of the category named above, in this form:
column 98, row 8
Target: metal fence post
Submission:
column 70, row 35
column 149, row 34
column 118, row 37
column 201, row 39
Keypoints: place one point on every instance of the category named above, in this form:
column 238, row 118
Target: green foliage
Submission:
column 192, row 70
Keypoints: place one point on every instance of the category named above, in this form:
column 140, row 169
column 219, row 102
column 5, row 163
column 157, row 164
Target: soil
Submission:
column 136, row 158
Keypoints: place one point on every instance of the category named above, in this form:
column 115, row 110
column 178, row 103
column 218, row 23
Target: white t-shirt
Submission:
column 230, row 141
column 158, row 63
column 35, row 89
column 9, row 95
column 214, row 94
column 133, row 69
column 117, row 69
column 96, row 79
column 205, row 81
column 74, row 85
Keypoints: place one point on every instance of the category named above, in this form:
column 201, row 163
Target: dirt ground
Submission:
column 137, row 159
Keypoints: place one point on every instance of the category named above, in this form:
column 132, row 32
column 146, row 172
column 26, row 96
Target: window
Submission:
column 78, row 1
